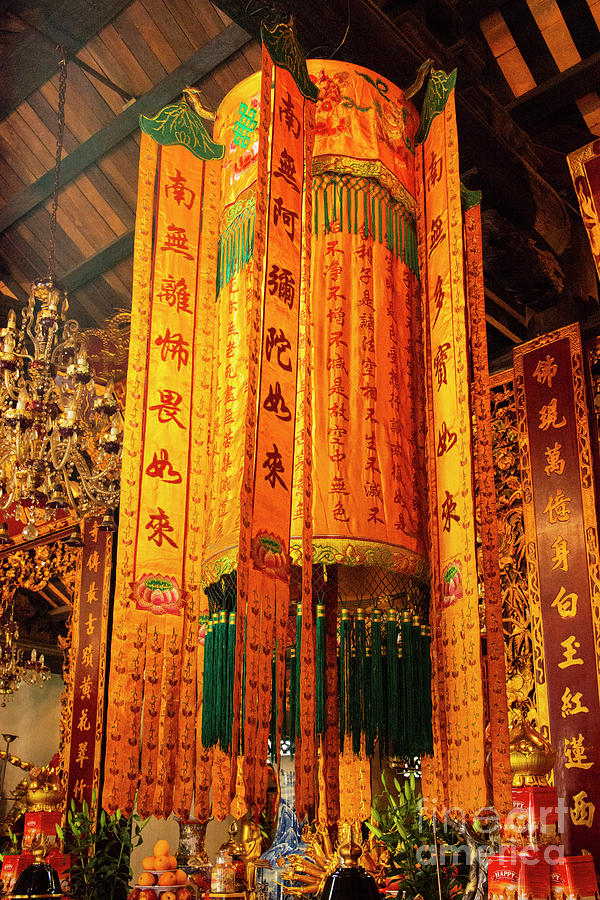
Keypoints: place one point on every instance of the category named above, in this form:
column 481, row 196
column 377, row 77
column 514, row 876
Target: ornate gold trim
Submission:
column 539, row 667
column 366, row 168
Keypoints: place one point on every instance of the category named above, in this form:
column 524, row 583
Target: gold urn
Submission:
column 531, row 756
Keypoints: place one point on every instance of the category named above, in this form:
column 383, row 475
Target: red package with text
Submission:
column 12, row 866
column 579, row 877
column 38, row 824
column 61, row 863
column 534, row 875
column 534, row 816
column 503, row 875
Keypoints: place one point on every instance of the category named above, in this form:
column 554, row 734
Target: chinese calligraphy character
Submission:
column 93, row 562
column 549, row 417
column 438, row 296
column 178, row 190
column 90, row 625
column 570, row 653
column 373, row 515
column 168, row 408
column 446, row 439
column 274, row 402
column 175, row 345
column 575, row 754
column 274, row 465
column 434, row 173
column 244, row 126
column 81, row 753
column 449, row 511
column 287, row 216
column 79, row 789
column 582, row 811
column 87, row 656
column 160, row 527
column 84, row 724
column 436, row 234
column 545, row 371
column 557, row 509
column 439, row 364
column 571, row 704
column 85, row 688
column 92, row 596
column 288, row 116
column 287, row 170
column 177, row 241
column 175, row 294
column 554, row 461
column 339, row 513
column 282, row 283
column 566, row 604
column 161, row 467
column 561, row 552
column 338, row 485
column 279, row 342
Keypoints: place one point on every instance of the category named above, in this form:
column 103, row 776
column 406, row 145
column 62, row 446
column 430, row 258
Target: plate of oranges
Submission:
column 161, row 879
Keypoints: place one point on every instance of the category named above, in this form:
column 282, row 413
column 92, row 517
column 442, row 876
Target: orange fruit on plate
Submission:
column 161, row 863
column 149, row 862
column 162, row 848
column 167, row 879
column 181, row 876
column 172, row 862
column 147, row 879
column 168, row 895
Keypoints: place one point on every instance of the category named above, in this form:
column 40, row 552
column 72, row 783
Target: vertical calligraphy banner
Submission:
column 457, row 773
column 563, row 568
column 501, row 775
column 155, row 628
column 87, row 667
column 281, row 261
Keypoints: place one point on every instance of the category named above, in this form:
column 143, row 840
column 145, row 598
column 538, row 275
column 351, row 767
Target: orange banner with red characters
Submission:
column 155, row 634
column 282, row 257
column 456, row 776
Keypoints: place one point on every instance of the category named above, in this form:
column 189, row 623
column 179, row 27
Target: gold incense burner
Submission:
column 531, row 756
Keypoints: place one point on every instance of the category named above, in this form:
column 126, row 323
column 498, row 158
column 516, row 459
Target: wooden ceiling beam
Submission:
column 98, row 264
column 548, row 98
column 207, row 58
column 28, row 62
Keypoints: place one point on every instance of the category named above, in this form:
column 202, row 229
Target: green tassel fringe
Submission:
column 320, row 670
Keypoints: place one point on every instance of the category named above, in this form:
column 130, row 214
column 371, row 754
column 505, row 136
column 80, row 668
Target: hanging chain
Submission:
column 60, row 134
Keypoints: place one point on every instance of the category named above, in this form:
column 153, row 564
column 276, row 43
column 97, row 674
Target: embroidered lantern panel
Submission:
column 366, row 332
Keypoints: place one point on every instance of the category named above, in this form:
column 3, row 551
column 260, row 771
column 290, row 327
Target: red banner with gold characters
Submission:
column 87, row 667
column 456, row 775
column 157, row 602
column 563, row 569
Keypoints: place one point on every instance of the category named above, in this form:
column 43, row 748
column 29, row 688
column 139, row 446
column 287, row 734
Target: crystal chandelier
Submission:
column 13, row 671
column 60, row 436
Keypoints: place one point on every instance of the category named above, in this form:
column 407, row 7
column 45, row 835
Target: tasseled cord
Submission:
column 376, row 729
column 394, row 729
column 320, row 670
column 360, row 687
column 344, row 674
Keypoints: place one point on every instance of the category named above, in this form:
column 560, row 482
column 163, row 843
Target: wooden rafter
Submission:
column 213, row 54
column 67, row 22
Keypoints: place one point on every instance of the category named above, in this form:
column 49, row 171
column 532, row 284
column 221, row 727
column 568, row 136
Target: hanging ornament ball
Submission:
column 30, row 532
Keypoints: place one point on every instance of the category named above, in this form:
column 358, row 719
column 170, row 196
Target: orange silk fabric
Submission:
column 155, row 634
column 456, row 776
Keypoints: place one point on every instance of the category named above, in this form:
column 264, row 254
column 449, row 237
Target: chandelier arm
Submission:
column 59, row 467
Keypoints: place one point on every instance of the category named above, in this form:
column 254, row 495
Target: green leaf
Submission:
column 180, row 124
column 376, row 831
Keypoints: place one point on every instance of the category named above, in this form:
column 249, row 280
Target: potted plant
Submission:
column 100, row 849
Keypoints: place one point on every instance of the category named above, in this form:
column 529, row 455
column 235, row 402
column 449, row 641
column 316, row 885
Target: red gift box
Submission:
column 38, row 824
